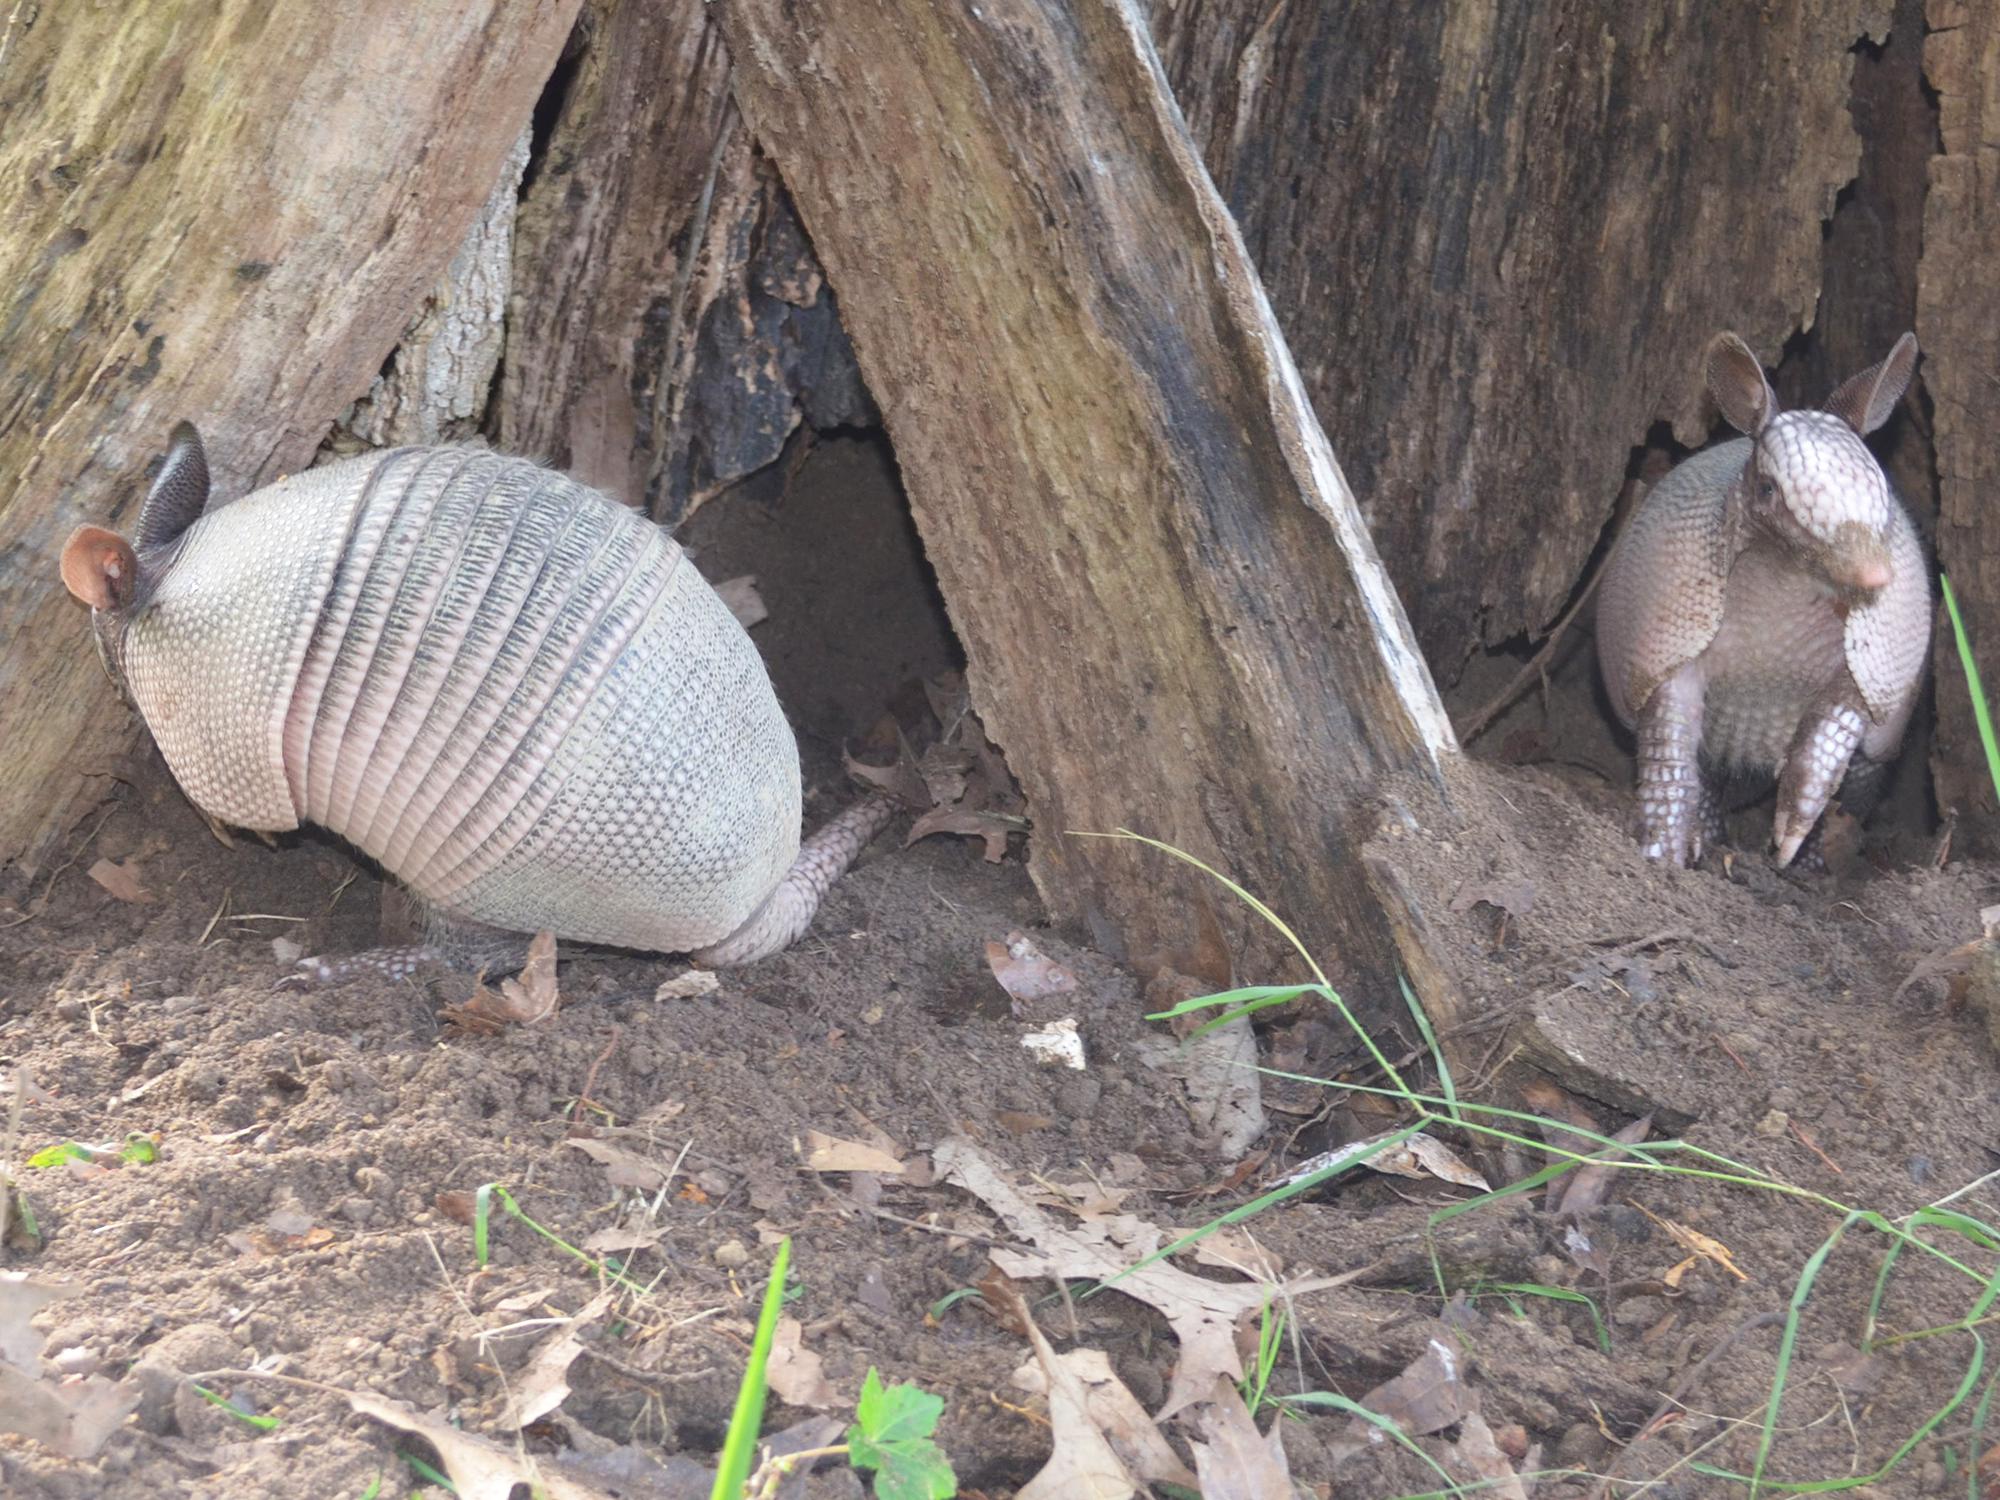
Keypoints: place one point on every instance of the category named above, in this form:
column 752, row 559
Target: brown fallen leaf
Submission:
column 1419, row 1156
column 1026, row 973
column 531, row 998
column 1237, row 1462
column 544, row 1384
column 989, row 826
column 1590, row 1186
column 479, row 1468
column 1082, row 1461
column 74, row 1416
column 1233, row 1248
column 626, row 1168
column 829, row 1153
column 1139, row 1444
column 121, row 881
column 1203, row 1314
column 1429, row 1396
column 1019, row 1122
column 1478, row 1452
column 1218, row 1073
column 622, row 1238
column 795, row 1374
column 1697, row 1242
column 457, row 1206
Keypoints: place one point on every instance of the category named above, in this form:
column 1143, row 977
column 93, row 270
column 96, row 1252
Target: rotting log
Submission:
column 670, row 326
column 224, row 211
column 1498, row 238
column 1958, row 326
column 1173, row 615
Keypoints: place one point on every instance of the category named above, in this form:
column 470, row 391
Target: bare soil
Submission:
column 301, row 1215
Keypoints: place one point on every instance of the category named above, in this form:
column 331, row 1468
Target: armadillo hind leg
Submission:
column 1677, row 808
column 1814, row 767
column 786, row 913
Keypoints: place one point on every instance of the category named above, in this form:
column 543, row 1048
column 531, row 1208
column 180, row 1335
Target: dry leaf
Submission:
column 1429, row 1396
column 1146, row 1454
column 1026, row 973
column 1589, row 1186
column 1419, row 1156
column 1019, row 1122
column 1202, row 1313
column 1697, row 1242
column 622, row 1238
column 1235, row 1249
column 1478, row 1451
column 121, row 881
column 829, row 1153
column 1082, row 1462
column 1218, row 1071
column 458, row 1206
column 1237, row 1462
column 479, row 1468
column 544, row 1384
column 744, row 602
column 795, row 1374
column 518, row 1002
column 687, row 986
column 626, row 1168
column 74, row 1416
column 992, row 827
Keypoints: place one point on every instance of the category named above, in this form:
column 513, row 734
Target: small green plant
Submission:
column 891, row 1436
column 1270, row 1344
column 247, row 1418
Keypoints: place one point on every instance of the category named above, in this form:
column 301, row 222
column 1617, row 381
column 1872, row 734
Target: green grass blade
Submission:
column 1980, row 716
column 1445, row 1084
column 739, row 1448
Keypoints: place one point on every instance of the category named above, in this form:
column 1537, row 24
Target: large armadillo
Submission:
column 1768, row 610
column 515, row 694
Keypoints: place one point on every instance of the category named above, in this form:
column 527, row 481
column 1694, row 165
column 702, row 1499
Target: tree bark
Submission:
column 1498, row 238
column 670, row 327
column 1174, row 618
column 211, row 217
column 1958, row 325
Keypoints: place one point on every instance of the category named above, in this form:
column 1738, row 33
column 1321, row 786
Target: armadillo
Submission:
column 516, row 695
column 1768, row 610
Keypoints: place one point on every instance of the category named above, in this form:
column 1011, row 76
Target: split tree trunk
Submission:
column 670, row 327
column 1958, row 325
column 1498, row 238
column 209, row 217
column 1174, row 616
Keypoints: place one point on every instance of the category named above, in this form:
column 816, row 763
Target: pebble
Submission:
column 730, row 1254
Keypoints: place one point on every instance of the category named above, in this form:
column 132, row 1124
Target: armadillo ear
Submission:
column 179, row 493
column 1736, row 380
column 1869, row 399
column 99, row 568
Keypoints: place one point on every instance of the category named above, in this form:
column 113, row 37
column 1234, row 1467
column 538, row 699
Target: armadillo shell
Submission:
column 511, row 691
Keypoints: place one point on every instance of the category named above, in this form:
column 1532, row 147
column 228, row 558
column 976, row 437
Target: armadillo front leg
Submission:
column 788, row 910
column 1818, row 759
column 1676, row 809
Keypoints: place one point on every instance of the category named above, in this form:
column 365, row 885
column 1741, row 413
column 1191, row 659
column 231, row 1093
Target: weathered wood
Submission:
column 1958, row 325
column 225, row 211
column 1173, row 615
column 670, row 325
column 1498, row 236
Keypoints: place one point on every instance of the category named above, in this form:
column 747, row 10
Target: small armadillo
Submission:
column 513, row 693
column 1768, row 610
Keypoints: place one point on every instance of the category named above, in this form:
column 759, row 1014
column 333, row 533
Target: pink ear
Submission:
column 99, row 567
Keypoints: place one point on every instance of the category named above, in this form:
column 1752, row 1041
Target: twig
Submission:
column 1536, row 666
column 590, row 1078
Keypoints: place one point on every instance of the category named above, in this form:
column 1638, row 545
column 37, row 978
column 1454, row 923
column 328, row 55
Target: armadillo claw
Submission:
column 379, row 963
column 1813, row 769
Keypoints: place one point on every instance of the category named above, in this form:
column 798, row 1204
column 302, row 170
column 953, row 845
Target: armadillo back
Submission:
column 513, row 692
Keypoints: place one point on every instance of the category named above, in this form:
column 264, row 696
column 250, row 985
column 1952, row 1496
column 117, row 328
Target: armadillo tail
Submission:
column 788, row 910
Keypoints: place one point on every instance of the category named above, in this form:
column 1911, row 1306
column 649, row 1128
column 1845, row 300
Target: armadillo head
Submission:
column 116, row 577
column 1811, row 482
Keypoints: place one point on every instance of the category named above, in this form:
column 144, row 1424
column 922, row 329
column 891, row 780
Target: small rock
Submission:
column 1775, row 1123
column 730, row 1255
